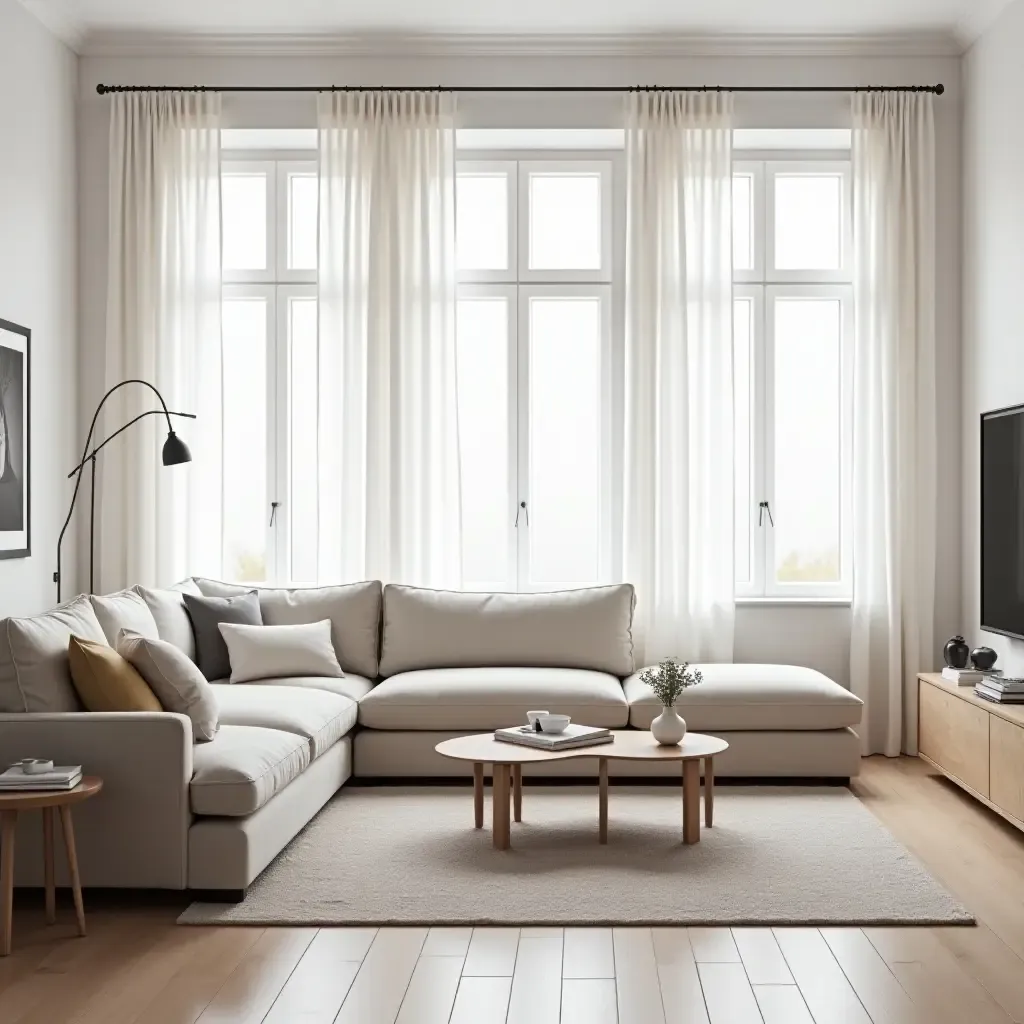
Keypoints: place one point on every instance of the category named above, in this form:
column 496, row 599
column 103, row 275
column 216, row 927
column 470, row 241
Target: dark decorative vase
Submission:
column 956, row 652
column 983, row 658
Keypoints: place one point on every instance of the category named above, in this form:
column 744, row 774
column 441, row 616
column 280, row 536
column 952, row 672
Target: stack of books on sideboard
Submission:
column 991, row 685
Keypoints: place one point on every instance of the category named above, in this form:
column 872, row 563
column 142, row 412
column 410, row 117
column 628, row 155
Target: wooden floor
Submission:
column 138, row 966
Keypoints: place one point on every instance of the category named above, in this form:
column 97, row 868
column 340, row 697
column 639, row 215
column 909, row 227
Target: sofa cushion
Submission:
column 582, row 629
column 322, row 717
column 754, row 698
column 259, row 653
column 34, row 672
column 243, row 768
column 104, row 681
column 354, row 611
column 488, row 698
column 172, row 621
column 124, row 610
column 349, row 685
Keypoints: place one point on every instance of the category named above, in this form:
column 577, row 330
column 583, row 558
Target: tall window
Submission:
column 534, row 247
column 269, row 213
column 793, row 378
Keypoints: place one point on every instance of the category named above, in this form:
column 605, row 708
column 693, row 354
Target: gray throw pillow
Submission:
column 207, row 613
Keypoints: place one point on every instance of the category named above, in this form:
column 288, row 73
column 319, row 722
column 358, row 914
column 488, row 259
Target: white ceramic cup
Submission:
column 36, row 765
column 533, row 716
column 554, row 724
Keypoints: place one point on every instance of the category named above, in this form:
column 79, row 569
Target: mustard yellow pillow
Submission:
column 105, row 681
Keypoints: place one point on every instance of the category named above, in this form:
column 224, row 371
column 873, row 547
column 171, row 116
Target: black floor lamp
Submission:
column 175, row 452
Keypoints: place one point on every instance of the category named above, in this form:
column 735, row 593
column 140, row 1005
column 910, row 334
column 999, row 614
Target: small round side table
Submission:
column 47, row 801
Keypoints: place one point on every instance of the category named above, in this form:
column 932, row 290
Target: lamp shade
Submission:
column 175, row 450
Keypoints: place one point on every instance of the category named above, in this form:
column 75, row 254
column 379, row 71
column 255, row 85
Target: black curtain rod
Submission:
column 937, row 90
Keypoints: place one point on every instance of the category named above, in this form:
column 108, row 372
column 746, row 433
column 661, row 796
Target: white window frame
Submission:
column 603, row 169
column 269, row 168
column 756, row 171
column 285, row 169
column 509, row 169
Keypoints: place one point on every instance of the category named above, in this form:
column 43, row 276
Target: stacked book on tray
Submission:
column 15, row 779
column 574, row 736
column 1001, row 690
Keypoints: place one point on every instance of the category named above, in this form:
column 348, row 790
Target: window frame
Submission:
column 284, row 169
column 269, row 169
column 508, row 168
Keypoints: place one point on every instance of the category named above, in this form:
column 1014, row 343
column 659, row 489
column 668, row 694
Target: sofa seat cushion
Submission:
column 321, row 717
column 350, row 685
column 489, row 698
column 243, row 767
column 752, row 698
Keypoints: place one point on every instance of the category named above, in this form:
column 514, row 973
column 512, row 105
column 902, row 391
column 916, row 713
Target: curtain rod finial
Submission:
column 101, row 89
column 939, row 89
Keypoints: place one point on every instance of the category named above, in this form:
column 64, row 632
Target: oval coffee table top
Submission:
column 628, row 745
column 29, row 799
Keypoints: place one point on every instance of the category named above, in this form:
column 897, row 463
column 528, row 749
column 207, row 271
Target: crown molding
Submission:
column 327, row 44
column 66, row 29
column 980, row 16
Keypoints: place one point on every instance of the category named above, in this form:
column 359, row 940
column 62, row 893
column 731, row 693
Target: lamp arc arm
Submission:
column 121, row 430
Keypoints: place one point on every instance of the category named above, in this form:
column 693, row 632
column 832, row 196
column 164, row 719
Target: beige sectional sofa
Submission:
column 419, row 665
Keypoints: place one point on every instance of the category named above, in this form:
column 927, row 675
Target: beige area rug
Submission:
column 775, row 856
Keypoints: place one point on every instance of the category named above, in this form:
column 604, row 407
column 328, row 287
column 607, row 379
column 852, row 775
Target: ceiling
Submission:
column 92, row 24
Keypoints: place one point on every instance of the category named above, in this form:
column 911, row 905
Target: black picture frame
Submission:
column 15, row 441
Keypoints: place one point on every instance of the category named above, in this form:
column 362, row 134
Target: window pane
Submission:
column 244, row 333
column 483, row 360
column 302, row 403
column 565, row 221
column 808, row 400
column 303, row 204
column 808, row 221
column 743, row 335
column 481, row 223
column 565, row 438
column 743, row 221
column 244, row 219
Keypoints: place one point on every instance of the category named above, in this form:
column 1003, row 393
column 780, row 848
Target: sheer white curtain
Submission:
column 678, row 496
column 157, row 524
column 894, row 458
column 389, row 489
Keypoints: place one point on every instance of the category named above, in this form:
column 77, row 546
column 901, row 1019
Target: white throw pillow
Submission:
column 175, row 679
column 272, row 652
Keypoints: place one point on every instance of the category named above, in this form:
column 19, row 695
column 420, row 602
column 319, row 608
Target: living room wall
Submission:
column 817, row 636
column 993, row 351
column 38, row 275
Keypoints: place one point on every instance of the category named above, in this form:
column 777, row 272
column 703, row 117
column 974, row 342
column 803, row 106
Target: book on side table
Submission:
column 62, row 777
column 574, row 736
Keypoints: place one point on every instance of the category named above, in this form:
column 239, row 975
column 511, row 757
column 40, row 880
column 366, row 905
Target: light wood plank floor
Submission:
column 138, row 967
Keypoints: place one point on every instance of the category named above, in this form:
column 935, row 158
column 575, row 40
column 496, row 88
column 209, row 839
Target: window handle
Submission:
column 522, row 509
column 763, row 507
column 274, row 505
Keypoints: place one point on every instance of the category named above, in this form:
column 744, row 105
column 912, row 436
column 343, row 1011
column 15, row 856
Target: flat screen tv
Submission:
column 1002, row 522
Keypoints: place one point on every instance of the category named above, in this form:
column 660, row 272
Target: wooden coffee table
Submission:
column 508, row 759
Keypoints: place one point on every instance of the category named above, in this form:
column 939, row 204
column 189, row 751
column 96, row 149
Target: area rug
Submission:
column 775, row 856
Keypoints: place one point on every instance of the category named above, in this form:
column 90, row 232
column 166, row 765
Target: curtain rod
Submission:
column 937, row 90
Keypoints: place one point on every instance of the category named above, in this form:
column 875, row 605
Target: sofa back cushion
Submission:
column 353, row 608
column 588, row 629
column 35, row 675
column 124, row 610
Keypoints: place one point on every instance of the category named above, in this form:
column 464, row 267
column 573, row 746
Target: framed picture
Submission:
column 15, row 451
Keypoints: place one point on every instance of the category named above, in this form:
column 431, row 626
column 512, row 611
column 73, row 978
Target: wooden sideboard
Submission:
column 977, row 744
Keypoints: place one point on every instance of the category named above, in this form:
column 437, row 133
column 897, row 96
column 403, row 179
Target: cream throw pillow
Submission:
column 175, row 679
column 273, row 652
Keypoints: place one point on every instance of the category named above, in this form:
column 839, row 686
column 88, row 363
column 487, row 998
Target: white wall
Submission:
column 38, row 278
column 993, row 351
column 818, row 637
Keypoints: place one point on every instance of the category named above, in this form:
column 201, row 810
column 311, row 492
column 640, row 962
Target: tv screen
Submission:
column 1002, row 522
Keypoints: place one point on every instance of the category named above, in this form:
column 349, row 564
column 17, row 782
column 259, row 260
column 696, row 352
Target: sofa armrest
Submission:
column 133, row 834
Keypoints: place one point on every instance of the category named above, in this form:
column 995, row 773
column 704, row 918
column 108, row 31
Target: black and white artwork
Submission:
column 15, row 471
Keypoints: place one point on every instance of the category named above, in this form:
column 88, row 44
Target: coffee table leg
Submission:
column 501, row 825
column 517, row 791
column 8, row 822
column 709, row 792
column 51, row 901
column 602, row 799
column 691, row 802
column 478, row 794
column 76, row 884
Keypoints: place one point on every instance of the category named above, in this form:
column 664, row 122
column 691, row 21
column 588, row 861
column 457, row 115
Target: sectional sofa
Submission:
column 420, row 666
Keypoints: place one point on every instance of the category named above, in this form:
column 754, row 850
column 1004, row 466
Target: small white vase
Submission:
column 668, row 728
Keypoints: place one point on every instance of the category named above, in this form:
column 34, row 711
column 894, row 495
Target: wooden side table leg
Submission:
column 602, row 799
column 517, row 791
column 478, row 794
column 51, row 896
column 691, row 802
column 501, row 825
column 76, row 884
column 709, row 792
column 8, row 823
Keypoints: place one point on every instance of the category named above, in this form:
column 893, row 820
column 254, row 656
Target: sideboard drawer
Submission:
column 1007, row 767
column 955, row 735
